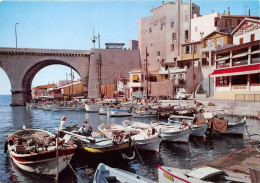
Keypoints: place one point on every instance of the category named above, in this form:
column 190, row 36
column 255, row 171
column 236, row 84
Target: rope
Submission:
column 139, row 154
column 75, row 173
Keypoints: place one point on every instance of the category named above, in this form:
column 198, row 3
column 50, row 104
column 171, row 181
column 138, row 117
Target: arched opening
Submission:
column 5, row 86
column 51, row 79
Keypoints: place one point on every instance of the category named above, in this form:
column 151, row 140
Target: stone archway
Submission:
column 28, row 78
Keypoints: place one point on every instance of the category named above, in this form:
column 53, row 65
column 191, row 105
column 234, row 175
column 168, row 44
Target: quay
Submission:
column 229, row 107
column 242, row 165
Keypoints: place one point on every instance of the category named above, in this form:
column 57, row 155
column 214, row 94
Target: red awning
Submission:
column 247, row 69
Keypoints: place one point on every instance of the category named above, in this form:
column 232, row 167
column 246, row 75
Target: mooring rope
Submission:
column 138, row 154
column 75, row 173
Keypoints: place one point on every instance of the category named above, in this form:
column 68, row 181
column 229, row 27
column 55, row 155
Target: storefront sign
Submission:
column 239, row 88
column 247, row 28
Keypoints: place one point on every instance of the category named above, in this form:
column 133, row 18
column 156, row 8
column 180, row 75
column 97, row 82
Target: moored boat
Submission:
column 56, row 108
column 119, row 112
column 105, row 174
column 144, row 114
column 98, row 144
column 103, row 110
column 35, row 151
column 146, row 137
column 171, row 132
column 92, row 107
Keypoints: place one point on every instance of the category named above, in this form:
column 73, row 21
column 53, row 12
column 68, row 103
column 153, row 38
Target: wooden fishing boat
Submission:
column 98, row 144
column 147, row 137
column 170, row 174
column 35, row 151
column 144, row 114
column 171, row 132
column 198, row 125
column 199, row 175
column 92, row 107
column 105, row 174
column 144, row 137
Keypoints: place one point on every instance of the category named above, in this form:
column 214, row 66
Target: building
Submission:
column 164, row 32
column 39, row 91
column 137, row 82
column 237, row 70
column 202, row 26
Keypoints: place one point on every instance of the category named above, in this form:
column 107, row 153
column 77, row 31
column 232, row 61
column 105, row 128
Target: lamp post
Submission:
column 16, row 34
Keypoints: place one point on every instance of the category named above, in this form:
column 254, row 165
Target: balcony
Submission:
column 137, row 84
column 178, row 69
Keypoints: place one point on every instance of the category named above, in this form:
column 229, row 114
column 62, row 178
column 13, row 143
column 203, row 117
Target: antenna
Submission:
column 93, row 38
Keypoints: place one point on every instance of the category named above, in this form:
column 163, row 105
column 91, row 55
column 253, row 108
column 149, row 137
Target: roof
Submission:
column 44, row 86
column 245, row 20
column 191, row 43
column 75, row 83
column 241, row 70
column 162, row 6
column 234, row 47
column 154, row 72
column 136, row 70
column 217, row 32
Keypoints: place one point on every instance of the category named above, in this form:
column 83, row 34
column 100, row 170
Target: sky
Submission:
column 69, row 25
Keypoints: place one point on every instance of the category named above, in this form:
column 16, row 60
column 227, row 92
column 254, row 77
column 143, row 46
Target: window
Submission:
column 228, row 22
column 193, row 10
column 187, row 49
column 241, row 40
column 172, row 47
column 166, row 76
column 252, row 37
column 220, row 41
column 173, row 36
column 222, row 81
column 158, row 53
column 186, row 33
column 166, row 67
column 186, row 18
column 255, row 79
column 150, row 30
column 196, row 29
column 172, row 23
column 211, row 43
column 239, row 80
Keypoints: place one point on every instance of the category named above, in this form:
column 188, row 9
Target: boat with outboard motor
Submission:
column 96, row 143
column 39, row 151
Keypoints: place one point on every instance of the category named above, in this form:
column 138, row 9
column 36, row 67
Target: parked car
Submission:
column 138, row 95
column 182, row 95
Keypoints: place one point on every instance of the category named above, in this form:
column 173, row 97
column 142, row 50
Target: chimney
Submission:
column 228, row 10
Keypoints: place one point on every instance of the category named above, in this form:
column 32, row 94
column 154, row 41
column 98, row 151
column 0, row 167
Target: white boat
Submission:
column 92, row 107
column 234, row 127
column 119, row 112
column 106, row 174
column 169, row 174
column 198, row 129
column 103, row 110
column 198, row 175
column 146, row 138
column 35, row 151
column 31, row 105
column 80, row 108
column 144, row 114
column 46, row 107
column 56, row 108
column 171, row 132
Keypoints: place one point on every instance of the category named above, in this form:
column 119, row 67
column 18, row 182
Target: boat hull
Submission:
column 103, row 111
column 198, row 131
column 45, row 166
column 236, row 129
column 152, row 144
column 175, row 136
column 91, row 108
column 63, row 108
column 119, row 112
column 111, row 148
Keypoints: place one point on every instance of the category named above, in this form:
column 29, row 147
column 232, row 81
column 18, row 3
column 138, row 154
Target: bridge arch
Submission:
column 30, row 74
column 22, row 64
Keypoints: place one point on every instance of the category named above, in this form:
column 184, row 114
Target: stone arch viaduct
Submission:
column 22, row 64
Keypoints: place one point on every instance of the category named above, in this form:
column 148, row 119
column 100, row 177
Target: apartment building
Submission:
column 164, row 32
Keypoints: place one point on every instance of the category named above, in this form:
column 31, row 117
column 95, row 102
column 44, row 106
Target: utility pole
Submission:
column 98, row 41
column 146, row 71
column 16, row 35
column 193, row 82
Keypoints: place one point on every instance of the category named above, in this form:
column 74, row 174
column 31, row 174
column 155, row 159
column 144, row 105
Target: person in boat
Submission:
column 86, row 129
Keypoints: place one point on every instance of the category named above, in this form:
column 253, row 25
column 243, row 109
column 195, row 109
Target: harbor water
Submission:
column 196, row 151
